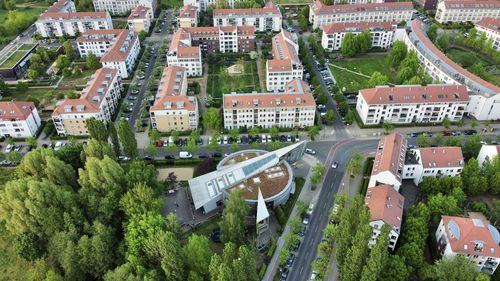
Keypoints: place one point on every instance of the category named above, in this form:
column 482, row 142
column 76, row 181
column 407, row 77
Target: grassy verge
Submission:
column 367, row 168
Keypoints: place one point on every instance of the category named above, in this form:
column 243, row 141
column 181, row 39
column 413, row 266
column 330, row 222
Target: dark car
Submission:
column 203, row 155
column 45, row 145
column 283, row 138
column 244, row 139
column 296, row 247
column 147, row 158
column 302, row 232
column 29, row 147
column 470, row 132
column 199, row 141
column 250, row 139
column 215, row 236
column 290, row 260
column 217, row 155
column 258, row 139
column 284, row 274
column 169, row 157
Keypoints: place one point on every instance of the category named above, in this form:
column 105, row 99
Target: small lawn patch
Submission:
column 13, row 59
column 466, row 58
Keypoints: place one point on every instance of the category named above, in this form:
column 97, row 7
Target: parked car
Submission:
column 470, row 132
column 217, row 155
column 289, row 138
column 290, row 260
column 185, row 155
column 297, row 246
column 310, row 209
column 305, row 221
column 203, row 155
column 446, row 133
column 264, row 138
column 123, row 158
column 310, row 151
column 269, row 139
column 9, row 148
column 284, row 274
column 226, row 140
column 58, row 145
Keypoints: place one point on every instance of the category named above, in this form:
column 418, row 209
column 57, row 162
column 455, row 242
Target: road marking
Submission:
column 316, row 228
column 301, row 269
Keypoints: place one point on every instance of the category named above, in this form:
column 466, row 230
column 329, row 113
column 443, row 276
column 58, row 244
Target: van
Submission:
column 185, row 155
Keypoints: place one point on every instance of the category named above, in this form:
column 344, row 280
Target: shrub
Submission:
column 280, row 216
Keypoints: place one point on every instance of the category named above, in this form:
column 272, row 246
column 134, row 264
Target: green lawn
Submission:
column 246, row 82
column 13, row 59
column 80, row 79
column 366, row 64
column 467, row 58
column 46, row 97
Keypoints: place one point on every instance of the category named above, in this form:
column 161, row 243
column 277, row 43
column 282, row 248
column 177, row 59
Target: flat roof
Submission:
column 15, row 54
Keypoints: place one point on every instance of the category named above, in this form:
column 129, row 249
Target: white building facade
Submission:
column 295, row 108
column 487, row 153
column 57, row 24
column 320, row 15
column 405, row 104
column 122, row 7
column 474, row 238
column 204, row 4
column 389, row 161
column 286, row 65
column 18, row 119
column 263, row 19
column 140, row 19
column 466, row 10
column 382, row 33
column 188, row 16
column 484, row 103
column 491, row 28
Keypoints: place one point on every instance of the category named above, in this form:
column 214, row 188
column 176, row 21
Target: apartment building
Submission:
column 382, row 33
column 188, row 16
column 487, row 153
column 187, row 44
column 435, row 162
column 117, row 48
column 286, row 65
column 386, row 207
column 57, row 24
column 466, row 10
column 473, row 237
column 99, row 99
column 389, row 161
column 140, row 19
column 263, row 19
column 172, row 109
column 203, row 5
column 427, row 5
column 491, row 28
column 404, row 104
column 320, row 14
column 295, row 108
column 484, row 103
column 123, row 7
column 351, row 2
column 18, row 119
column 62, row 6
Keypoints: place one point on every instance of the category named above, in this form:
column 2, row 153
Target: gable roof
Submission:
column 318, row 8
column 138, row 13
column 358, row 26
column 120, row 50
column 441, row 157
column 390, row 155
column 169, row 95
column 15, row 110
column 385, row 204
column 489, row 23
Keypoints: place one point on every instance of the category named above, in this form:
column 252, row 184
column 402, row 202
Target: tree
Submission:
column 97, row 129
column 9, row 4
column 254, row 132
column 198, row 254
column 92, row 62
column 377, row 79
column 349, row 47
column 313, row 132
column 283, row 257
column 364, row 41
column 138, row 230
column 455, row 268
column 349, row 117
column 151, row 150
column 69, row 51
column 446, row 123
column 423, row 140
column 329, row 117
column 474, row 182
column 233, row 224
column 62, row 61
column 440, row 204
column 274, row 132
column 33, row 74
column 114, row 138
column 172, row 261
column 212, row 119
column 32, row 141
column 214, row 144
column 172, row 225
column 275, row 145
column 154, row 135
column 397, row 54
column 443, row 42
column 140, row 199
column 141, row 172
column 430, row 186
column 97, row 149
column 388, row 127
column 378, row 256
column 472, row 146
column 396, row 269
column 29, row 246
column 432, row 32
column 127, row 139
column 355, row 164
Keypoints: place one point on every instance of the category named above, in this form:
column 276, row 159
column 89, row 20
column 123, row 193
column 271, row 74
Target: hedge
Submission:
column 367, row 168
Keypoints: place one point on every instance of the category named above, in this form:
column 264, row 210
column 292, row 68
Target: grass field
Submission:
column 366, row 64
column 467, row 58
column 80, row 79
column 13, row 59
column 218, row 84
column 47, row 97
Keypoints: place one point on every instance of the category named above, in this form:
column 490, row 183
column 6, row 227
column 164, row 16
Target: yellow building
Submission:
column 140, row 19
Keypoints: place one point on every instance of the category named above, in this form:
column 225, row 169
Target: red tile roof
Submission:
column 464, row 233
column 99, row 35
column 139, row 12
column 17, row 110
column 169, row 96
column 92, row 95
column 415, row 94
column 471, row 4
column 441, row 157
column 284, row 53
column 357, row 26
column 188, row 11
column 269, row 9
column 390, row 155
column 490, row 23
column 122, row 46
column 74, row 15
column 58, row 6
column 417, row 27
column 385, row 204
column 319, row 8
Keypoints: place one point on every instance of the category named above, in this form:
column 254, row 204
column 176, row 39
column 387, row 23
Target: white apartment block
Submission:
column 123, row 7
column 263, row 19
column 182, row 53
column 433, row 162
column 404, row 104
column 117, row 48
column 466, row 10
column 386, row 207
column 382, row 33
column 320, row 15
column 18, row 119
column 491, row 28
column 204, row 4
column 389, row 161
column 351, row 2
column 173, row 110
column 57, row 24
column 99, row 99
column 487, row 153
column 473, row 237
column 484, row 97
column 286, row 65
column 295, row 108
column 188, row 16
column 140, row 19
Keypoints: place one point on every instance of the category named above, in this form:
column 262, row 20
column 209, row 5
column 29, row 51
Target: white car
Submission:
column 305, row 221
column 9, row 148
column 264, row 138
column 226, row 140
column 289, row 138
column 58, row 146
column 310, row 151
column 123, row 158
column 269, row 139
column 335, row 164
column 310, row 209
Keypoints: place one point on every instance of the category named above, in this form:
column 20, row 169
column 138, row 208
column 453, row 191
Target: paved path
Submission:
column 262, row 78
column 348, row 70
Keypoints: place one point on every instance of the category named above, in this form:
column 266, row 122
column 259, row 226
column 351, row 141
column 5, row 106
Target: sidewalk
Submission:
column 306, row 195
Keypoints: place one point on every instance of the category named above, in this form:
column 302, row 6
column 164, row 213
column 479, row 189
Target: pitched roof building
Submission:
column 140, row 19
column 18, row 119
column 286, row 65
column 491, row 28
column 389, row 161
column 267, row 18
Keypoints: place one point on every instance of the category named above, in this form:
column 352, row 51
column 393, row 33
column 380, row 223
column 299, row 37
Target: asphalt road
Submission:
column 301, row 269
column 148, row 71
